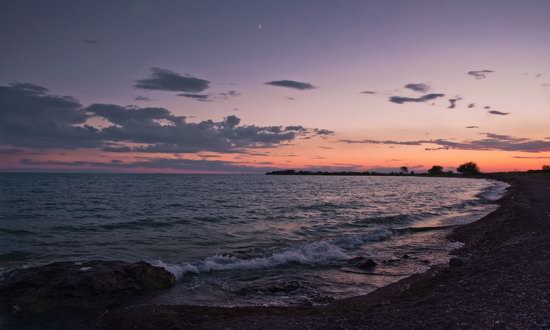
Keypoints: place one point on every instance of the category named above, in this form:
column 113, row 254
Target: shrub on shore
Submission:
column 435, row 170
column 468, row 168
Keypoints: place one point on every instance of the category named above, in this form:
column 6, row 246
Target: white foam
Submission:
column 314, row 253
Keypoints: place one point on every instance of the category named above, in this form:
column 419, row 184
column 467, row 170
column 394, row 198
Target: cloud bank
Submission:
column 490, row 142
column 30, row 117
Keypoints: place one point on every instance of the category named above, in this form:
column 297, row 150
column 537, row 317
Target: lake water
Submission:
column 242, row 239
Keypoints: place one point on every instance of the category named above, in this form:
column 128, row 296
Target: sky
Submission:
column 251, row 86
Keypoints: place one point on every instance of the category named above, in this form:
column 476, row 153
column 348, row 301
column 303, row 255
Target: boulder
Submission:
column 87, row 285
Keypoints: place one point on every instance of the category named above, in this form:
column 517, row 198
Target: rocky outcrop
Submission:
column 79, row 285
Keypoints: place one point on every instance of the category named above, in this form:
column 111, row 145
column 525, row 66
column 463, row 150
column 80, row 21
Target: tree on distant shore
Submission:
column 468, row 168
column 435, row 170
column 546, row 168
column 404, row 170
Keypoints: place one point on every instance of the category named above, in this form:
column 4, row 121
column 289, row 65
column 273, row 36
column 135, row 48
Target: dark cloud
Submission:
column 472, row 127
column 211, row 97
column 423, row 98
column 480, row 74
column 490, row 142
column 291, row 84
column 390, row 142
column 198, row 97
column 322, row 132
column 296, row 128
column 142, row 98
column 368, row 92
column 166, row 80
column 437, row 148
column 326, row 148
column 471, row 105
column 500, row 113
column 422, row 88
column 531, row 157
column 30, row 117
column 452, row 102
column 487, row 107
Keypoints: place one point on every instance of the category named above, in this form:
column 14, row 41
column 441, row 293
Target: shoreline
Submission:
column 496, row 279
column 503, row 282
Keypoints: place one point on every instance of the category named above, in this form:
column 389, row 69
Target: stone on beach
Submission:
column 79, row 285
column 364, row 263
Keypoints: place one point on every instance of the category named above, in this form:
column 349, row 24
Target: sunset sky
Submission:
column 250, row 86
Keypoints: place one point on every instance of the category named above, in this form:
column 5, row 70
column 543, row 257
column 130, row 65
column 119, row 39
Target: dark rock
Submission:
column 79, row 285
column 406, row 256
column 456, row 262
column 363, row 263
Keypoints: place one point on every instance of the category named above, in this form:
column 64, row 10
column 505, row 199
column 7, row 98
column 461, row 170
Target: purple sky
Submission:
column 431, row 69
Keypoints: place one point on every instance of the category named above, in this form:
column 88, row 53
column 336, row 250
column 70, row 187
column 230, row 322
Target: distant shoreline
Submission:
column 365, row 173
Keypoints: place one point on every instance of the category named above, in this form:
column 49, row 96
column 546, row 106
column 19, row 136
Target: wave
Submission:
column 494, row 192
column 311, row 254
column 317, row 253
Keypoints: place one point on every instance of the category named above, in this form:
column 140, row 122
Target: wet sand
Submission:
column 503, row 282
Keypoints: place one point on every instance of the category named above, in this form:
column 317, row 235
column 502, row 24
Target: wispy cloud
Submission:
column 423, row 98
column 291, row 84
column 166, row 80
column 452, row 102
column 418, row 87
column 531, row 157
column 499, row 113
column 480, row 74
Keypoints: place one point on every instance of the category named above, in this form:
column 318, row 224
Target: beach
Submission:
column 500, row 280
